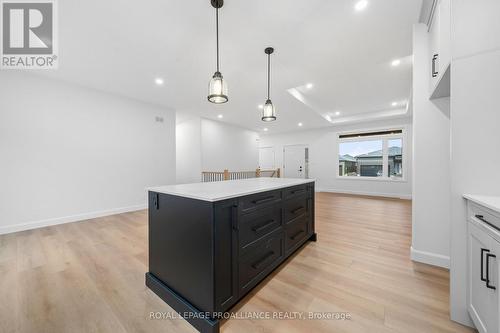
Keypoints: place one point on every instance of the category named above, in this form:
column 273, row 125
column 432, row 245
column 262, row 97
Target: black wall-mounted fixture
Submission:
column 217, row 88
column 268, row 112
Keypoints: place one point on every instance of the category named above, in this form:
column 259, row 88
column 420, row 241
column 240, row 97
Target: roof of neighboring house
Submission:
column 393, row 151
column 347, row 158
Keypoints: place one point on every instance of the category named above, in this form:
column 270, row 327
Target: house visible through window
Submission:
column 374, row 154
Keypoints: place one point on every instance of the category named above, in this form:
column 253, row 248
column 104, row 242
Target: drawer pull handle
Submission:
column 488, row 256
column 260, row 262
column 434, row 72
column 298, row 210
column 294, row 237
column 263, row 200
column 481, row 217
column 234, row 217
column 298, row 191
column 482, row 263
column 263, row 226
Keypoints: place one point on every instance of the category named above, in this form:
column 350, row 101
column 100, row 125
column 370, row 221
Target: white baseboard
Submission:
column 67, row 219
column 430, row 258
column 375, row 194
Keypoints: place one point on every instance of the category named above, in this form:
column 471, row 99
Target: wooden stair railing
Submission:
column 216, row 176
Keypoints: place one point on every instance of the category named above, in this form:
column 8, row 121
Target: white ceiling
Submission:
column 122, row 46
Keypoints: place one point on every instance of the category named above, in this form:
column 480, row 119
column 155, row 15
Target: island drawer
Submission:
column 256, row 201
column 295, row 208
column 258, row 224
column 295, row 232
column 292, row 192
column 260, row 260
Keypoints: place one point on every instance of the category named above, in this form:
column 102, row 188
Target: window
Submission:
column 372, row 154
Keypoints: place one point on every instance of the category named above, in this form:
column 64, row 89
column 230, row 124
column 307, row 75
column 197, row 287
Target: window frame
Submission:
column 385, row 157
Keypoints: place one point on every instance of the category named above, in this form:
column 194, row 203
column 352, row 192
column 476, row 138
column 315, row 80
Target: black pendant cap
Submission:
column 269, row 50
column 217, row 3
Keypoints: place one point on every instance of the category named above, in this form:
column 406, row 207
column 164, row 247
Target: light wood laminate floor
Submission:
column 89, row 277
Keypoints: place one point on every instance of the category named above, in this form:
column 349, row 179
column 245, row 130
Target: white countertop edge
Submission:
column 488, row 201
column 165, row 190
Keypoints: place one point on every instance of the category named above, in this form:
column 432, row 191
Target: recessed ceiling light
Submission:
column 394, row 103
column 300, row 124
column 396, row 62
column 328, row 118
column 159, row 81
column 337, row 113
column 265, row 129
column 309, row 86
column 220, row 116
column 360, row 5
column 260, row 106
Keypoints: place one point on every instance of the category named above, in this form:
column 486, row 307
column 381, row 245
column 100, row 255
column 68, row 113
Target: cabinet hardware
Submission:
column 434, row 72
column 259, row 263
column 263, row 226
column 156, row 201
column 266, row 199
column 234, row 217
column 481, row 218
column 295, row 211
column 488, row 256
column 482, row 261
column 298, row 191
column 294, row 237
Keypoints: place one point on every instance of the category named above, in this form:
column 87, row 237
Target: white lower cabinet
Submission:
column 483, row 272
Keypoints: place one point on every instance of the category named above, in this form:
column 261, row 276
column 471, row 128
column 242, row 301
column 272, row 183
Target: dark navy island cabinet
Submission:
column 204, row 256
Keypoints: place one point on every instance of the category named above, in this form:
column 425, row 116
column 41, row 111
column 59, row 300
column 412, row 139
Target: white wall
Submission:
column 188, row 150
column 323, row 155
column 431, row 162
column 207, row 145
column 69, row 153
column 475, row 120
column 228, row 147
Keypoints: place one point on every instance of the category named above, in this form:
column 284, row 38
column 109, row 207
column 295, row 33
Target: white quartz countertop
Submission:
column 491, row 202
column 215, row 191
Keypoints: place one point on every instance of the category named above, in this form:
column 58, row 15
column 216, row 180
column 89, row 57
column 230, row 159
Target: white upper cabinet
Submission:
column 440, row 49
column 444, row 35
column 476, row 27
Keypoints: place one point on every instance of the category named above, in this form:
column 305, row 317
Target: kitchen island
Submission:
column 211, row 243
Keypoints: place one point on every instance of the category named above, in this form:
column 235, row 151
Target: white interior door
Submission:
column 295, row 161
column 266, row 158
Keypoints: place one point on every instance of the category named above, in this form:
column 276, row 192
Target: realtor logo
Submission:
column 28, row 34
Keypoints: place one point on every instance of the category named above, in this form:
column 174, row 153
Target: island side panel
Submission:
column 312, row 221
column 226, row 254
column 181, row 247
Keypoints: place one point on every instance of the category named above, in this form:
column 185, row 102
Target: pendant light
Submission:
column 268, row 112
column 217, row 88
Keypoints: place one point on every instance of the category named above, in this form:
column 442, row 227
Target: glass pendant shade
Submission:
column 268, row 112
column 217, row 89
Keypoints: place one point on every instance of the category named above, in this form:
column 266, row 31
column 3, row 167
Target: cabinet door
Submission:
column 434, row 55
column 494, row 274
column 444, row 36
column 481, row 300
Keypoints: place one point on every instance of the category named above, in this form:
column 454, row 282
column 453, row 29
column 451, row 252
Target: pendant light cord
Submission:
column 268, row 75
column 217, row 34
